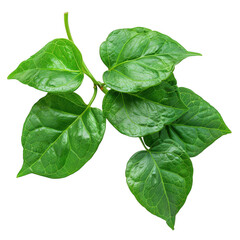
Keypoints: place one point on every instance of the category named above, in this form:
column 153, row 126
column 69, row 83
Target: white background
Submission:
column 95, row 203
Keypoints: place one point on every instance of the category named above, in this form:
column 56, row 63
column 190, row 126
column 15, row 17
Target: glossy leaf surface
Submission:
column 60, row 135
column 144, row 112
column 195, row 130
column 139, row 58
column 161, row 179
column 55, row 68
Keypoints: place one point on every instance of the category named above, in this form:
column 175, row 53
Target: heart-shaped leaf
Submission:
column 60, row 134
column 195, row 130
column 145, row 112
column 56, row 68
column 161, row 179
column 139, row 58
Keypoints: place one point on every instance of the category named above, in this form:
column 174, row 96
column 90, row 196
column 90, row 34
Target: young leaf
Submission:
column 55, row 68
column 161, row 179
column 139, row 58
column 198, row 128
column 60, row 134
column 145, row 112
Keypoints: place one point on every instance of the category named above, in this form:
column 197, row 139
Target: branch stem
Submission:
column 93, row 96
column 85, row 69
column 143, row 144
column 67, row 26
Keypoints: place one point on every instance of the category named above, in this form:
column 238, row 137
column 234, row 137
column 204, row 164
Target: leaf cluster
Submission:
column 142, row 99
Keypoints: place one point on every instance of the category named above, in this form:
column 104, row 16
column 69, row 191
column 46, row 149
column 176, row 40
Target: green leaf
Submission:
column 161, row 179
column 56, row 68
column 145, row 112
column 139, row 58
column 60, row 134
column 196, row 129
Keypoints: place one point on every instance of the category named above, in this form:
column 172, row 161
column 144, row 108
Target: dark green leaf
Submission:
column 60, row 135
column 145, row 112
column 139, row 58
column 57, row 67
column 161, row 179
column 196, row 129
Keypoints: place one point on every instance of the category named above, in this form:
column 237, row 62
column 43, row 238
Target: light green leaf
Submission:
column 161, row 179
column 60, row 135
column 198, row 128
column 145, row 112
column 56, row 68
column 139, row 58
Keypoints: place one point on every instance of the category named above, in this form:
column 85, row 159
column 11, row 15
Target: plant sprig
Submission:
column 142, row 99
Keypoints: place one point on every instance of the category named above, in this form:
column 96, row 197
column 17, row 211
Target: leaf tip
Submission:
column 229, row 131
column 10, row 76
column 194, row 54
column 171, row 222
column 22, row 172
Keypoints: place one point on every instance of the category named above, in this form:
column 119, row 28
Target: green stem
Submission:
column 93, row 96
column 85, row 69
column 143, row 143
column 99, row 84
column 67, row 26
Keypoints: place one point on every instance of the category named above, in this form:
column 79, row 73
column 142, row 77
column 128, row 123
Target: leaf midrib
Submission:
column 51, row 69
column 191, row 126
column 139, row 58
column 167, row 106
column 163, row 184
